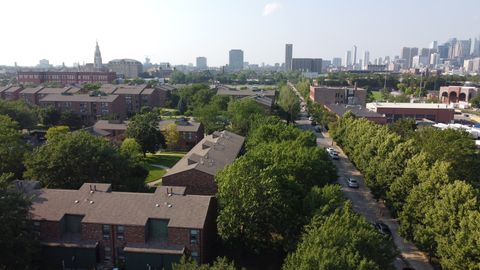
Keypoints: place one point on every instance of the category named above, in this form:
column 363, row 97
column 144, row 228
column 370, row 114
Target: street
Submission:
column 363, row 201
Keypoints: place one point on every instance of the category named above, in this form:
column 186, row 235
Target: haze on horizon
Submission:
column 177, row 31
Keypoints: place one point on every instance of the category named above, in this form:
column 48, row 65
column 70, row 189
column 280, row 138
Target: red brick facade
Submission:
column 196, row 182
column 65, row 78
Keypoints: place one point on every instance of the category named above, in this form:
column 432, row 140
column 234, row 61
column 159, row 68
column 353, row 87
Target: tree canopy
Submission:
column 146, row 132
column 12, row 147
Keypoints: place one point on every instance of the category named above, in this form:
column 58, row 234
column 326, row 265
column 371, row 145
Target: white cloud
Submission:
column 270, row 8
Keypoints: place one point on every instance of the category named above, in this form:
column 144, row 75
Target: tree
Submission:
column 241, row 114
column 71, row 119
column 74, row 158
column 56, row 131
column 18, row 244
column 323, row 201
column 145, row 130
column 131, row 149
column 91, row 86
column 343, row 240
column 404, row 127
column 220, row 263
column 177, row 77
column 20, row 112
column 49, row 116
column 172, row 136
column 289, row 103
column 475, row 101
column 12, row 147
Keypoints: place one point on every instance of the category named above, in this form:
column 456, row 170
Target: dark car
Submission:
column 383, row 228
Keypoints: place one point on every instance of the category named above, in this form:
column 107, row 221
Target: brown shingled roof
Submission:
column 211, row 154
column 122, row 208
column 78, row 98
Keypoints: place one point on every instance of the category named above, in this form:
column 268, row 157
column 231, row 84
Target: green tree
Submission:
column 343, row 240
column 145, row 130
column 177, row 77
column 220, row 263
column 241, row 114
column 49, row 116
column 56, row 131
column 172, row 136
column 404, row 127
column 70, row 160
column 289, row 103
column 91, row 86
column 475, row 101
column 18, row 244
column 131, row 149
column 323, row 201
column 12, row 147
column 71, row 119
column 20, row 112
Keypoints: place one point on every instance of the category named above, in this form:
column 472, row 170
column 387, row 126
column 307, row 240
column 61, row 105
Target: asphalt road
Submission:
column 364, row 203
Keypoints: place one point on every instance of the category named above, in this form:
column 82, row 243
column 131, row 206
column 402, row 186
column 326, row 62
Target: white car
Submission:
column 310, row 118
column 331, row 150
column 351, row 182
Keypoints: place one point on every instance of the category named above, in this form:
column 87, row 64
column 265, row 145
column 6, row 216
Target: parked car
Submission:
column 310, row 118
column 383, row 228
column 317, row 129
column 333, row 155
column 351, row 182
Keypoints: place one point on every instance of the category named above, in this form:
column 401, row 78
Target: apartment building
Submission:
column 95, row 227
column 196, row 170
column 265, row 98
column 29, row 95
column 440, row 113
column 89, row 108
column 64, row 77
column 338, row 95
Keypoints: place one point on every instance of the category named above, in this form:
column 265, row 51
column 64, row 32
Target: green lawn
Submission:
column 377, row 95
column 167, row 159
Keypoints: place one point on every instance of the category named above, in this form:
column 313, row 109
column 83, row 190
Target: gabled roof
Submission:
column 13, row 89
column 122, row 208
column 78, row 98
column 54, row 90
column 227, row 91
column 31, row 90
column 211, row 154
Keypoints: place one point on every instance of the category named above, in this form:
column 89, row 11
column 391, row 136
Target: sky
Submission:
column 177, row 31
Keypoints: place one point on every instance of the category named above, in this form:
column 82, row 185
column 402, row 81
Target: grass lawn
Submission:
column 377, row 95
column 167, row 159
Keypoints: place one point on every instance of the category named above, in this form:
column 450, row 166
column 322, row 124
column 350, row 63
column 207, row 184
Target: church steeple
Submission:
column 97, row 63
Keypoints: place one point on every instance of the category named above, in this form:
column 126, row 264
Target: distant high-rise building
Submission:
column 307, row 64
column 366, row 59
column 337, row 62
column 434, row 59
column 476, row 47
column 443, row 51
column 235, row 62
column 201, row 63
column 408, row 54
column 354, row 55
column 44, row 63
column 380, row 61
column 348, row 59
column 424, row 52
column 97, row 62
column 288, row 56
column 433, row 45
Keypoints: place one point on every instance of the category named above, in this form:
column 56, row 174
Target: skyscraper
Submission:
column 433, row 45
column 476, row 47
column 354, row 55
column 201, row 63
column 366, row 59
column 408, row 54
column 288, row 56
column 348, row 59
column 97, row 61
column 337, row 62
column 235, row 62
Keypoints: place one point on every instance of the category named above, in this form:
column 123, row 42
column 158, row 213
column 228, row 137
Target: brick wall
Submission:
column 50, row 230
column 196, row 182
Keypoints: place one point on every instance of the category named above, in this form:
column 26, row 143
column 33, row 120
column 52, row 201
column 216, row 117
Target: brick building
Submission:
column 64, row 77
column 30, row 95
column 456, row 94
column 196, row 170
column 440, row 113
column 89, row 108
column 358, row 111
column 137, row 96
column 10, row 93
column 190, row 132
column 338, row 95
column 93, row 226
column 265, row 98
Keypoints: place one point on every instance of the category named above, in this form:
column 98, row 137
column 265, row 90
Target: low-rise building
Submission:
column 64, row 77
column 440, row 113
column 95, row 226
column 89, row 108
column 11, row 93
column 196, row 170
column 265, row 98
column 358, row 111
column 338, row 95
column 127, row 68
column 456, row 94
column 29, row 95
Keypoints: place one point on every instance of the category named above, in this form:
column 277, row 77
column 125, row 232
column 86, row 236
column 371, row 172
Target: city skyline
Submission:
column 124, row 30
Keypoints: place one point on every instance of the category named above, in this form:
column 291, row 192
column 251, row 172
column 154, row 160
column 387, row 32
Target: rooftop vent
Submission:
column 157, row 205
column 76, row 201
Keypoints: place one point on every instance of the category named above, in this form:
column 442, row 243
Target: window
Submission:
column 120, row 232
column 194, row 255
column 194, row 236
column 36, row 228
column 120, row 254
column 108, row 254
column 106, row 232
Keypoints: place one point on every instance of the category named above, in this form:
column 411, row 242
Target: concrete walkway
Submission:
column 156, row 182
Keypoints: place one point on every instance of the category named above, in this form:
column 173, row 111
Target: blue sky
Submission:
column 177, row 31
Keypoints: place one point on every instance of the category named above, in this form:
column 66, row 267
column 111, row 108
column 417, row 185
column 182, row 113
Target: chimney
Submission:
column 90, row 187
column 95, row 187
